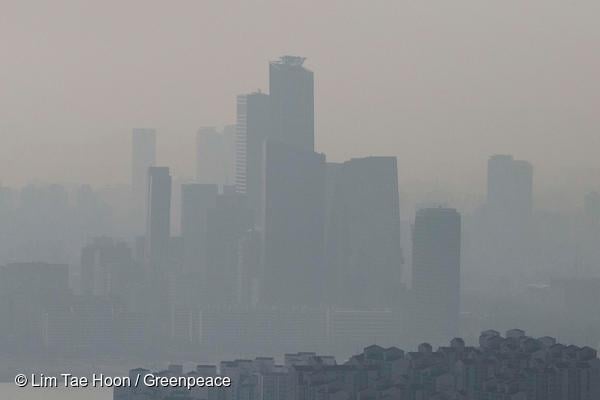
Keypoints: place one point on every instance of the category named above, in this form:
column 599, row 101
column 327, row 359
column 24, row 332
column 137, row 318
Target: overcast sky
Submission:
column 440, row 84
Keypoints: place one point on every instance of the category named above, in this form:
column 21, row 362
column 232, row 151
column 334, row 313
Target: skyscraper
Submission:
column 506, row 241
column 253, row 127
column 229, row 149
column 509, row 188
column 436, row 272
column 363, row 233
column 158, row 217
column 291, row 89
column 143, row 156
column 293, row 212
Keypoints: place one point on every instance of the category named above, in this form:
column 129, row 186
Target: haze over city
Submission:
column 441, row 86
column 309, row 200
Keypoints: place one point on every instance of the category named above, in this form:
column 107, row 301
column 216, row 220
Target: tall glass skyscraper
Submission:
column 252, row 129
column 292, row 102
column 158, row 217
column 436, row 273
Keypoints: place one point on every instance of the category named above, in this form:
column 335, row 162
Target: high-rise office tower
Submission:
column 229, row 148
column 143, row 156
column 253, row 124
column 504, row 244
column 291, row 89
column 158, row 217
column 293, row 211
column 509, row 188
column 157, row 291
column 436, row 273
column 363, row 233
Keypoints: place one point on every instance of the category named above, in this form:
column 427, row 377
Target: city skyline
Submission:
column 183, row 184
column 416, row 87
column 270, row 221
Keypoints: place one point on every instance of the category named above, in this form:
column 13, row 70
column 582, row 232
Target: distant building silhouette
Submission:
column 253, row 128
column 509, row 188
column 158, row 217
column 363, row 233
column 291, row 90
column 229, row 153
column 292, row 204
column 505, row 239
column 293, row 211
column 436, row 272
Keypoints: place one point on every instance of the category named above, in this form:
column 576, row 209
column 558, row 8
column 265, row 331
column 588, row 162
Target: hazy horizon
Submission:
column 409, row 209
column 440, row 86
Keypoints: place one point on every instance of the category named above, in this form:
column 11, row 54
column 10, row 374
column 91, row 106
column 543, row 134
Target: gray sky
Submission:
column 440, row 84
